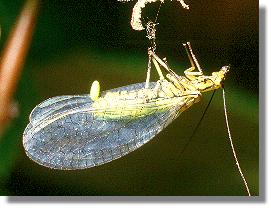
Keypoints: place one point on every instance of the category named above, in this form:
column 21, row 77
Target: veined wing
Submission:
column 61, row 104
column 79, row 140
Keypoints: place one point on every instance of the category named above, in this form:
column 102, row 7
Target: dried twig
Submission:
column 13, row 56
column 137, row 10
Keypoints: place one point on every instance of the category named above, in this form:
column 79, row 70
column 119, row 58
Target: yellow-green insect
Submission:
column 77, row 132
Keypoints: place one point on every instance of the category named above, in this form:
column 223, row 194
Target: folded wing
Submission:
column 64, row 132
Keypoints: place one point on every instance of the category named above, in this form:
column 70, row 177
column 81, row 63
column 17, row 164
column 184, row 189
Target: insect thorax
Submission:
column 208, row 83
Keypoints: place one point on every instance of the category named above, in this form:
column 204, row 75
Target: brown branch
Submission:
column 13, row 57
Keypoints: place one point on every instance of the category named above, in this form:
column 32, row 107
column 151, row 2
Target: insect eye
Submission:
column 225, row 69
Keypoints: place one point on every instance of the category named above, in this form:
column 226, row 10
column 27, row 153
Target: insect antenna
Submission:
column 231, row 143
column 198, row 124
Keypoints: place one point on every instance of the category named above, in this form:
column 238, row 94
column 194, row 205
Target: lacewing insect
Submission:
column 83, row 131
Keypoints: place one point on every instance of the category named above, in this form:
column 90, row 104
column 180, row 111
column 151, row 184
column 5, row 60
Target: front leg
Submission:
column 157, row 67
column 148, row 76
column 157, row 60
column 190, row 73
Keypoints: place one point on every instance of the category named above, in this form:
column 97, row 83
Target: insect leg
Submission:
column 171, row 75
column 148, row 73
column 190, row 73
column 162, row 63
column 158, row 69
column 191, row 54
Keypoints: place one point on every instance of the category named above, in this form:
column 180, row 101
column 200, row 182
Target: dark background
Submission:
column 77, row 42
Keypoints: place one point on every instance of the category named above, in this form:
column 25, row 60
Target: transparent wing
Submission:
column 78, row 140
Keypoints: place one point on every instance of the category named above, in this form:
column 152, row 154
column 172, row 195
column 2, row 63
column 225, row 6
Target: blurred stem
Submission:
column 13, row 57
